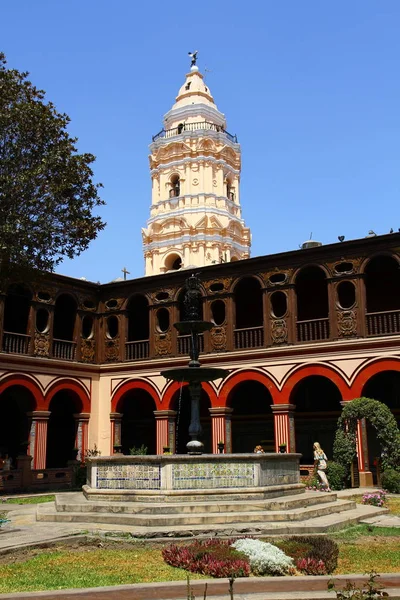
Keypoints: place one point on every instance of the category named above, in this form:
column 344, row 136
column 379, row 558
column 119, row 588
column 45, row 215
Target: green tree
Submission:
column 47, row 193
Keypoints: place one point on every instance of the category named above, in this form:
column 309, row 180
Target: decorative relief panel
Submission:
column 345, row 266
column 162, row 295
column 111, row 353
column 41, row 344
column 163, row 344
column 223, row 285
column 347, row 323
column 129, row 477
column 279, row 333
column 218, row 339
column 282, row 276
column 88, row 348
column 113, row 303
column 212, row 476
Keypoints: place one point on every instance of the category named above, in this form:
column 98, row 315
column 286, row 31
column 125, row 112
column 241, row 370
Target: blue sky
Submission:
column 311, row 88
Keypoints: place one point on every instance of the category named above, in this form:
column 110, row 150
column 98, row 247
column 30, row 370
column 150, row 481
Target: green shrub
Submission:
column 336, row 474
column 390, row 480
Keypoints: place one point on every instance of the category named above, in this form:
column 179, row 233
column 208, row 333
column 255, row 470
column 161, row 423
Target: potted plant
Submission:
column 282, row 448
column 74, row 453
column 221, row 446
column 117, row 449
column 166, row 450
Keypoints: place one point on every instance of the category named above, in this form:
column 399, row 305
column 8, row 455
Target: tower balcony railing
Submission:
column 203, row 125
column 64, row 349
column 313, row 330
column 251, row 337
column 16, row 343
column 137, row 350
column 383, row 323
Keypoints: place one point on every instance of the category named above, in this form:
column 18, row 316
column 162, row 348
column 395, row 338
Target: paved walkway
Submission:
column 23, row 530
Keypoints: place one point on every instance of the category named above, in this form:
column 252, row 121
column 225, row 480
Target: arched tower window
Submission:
column 175, row 189
column 230, row 190
column 173, row 262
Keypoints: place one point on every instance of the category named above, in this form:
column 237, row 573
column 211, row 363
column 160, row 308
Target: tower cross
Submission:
column 125, row 272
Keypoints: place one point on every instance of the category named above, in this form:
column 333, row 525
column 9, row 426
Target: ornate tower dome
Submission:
column 195, row 216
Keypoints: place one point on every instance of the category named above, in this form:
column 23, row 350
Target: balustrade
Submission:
column 137, row 350
column 185, row 127
column 383, row 323
column 184, row 343
column 313, row 331
column 252, row 337
column 64, row 349
column 16, row 343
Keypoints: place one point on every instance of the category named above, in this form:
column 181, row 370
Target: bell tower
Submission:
column 195, row 216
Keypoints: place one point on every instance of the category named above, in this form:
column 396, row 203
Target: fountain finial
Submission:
column 192, row 299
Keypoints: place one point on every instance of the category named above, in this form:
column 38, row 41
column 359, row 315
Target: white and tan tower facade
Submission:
column 195, row 217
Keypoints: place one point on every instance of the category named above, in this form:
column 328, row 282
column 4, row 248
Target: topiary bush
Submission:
column 387, row 432
column 390, row 480
column 215, row 558
column 336, row 474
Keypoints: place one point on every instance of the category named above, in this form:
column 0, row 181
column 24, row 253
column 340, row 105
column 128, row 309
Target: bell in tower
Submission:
column 195, row 216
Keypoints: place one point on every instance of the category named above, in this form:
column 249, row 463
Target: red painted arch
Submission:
column 242, row 376
column 135, row 384
column 378, row 366
column 27, row 383
column 312, row 370
column 69, row 385
column 175, row 386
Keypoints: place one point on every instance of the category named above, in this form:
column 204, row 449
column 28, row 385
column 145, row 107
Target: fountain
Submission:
column 194, row 374
column 190, row 494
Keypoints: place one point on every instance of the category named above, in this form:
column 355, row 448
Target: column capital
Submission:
column 220, row 411
column 283, row 408
column 114, row 416
column 81, row 416
column 39, row 415
column 164, row 414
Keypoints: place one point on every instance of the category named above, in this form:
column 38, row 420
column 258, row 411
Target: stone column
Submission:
column 81, row 439
column 366, row 479
column 165, row 429
column 221, row 428
column 38, row 438
column 116, row 423
column 284, row 426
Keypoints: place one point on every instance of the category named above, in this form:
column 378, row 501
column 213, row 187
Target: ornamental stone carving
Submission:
column 163, row 344
column 112, row 350
column 218, row 339
column 41, row 344
column 347, row 323
column 88, row 348
column 225, row 281
column 279, row 333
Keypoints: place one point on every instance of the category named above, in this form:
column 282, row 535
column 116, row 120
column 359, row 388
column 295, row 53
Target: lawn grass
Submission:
column 30, row 500
column 362, row 548
column 83, row 568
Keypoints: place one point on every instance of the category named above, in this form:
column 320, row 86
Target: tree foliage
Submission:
column 387, row 432
column 47, row 193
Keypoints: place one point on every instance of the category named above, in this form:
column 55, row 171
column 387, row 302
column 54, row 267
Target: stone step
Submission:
column 78, row 503
column 313, row 525
column 198, row 518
